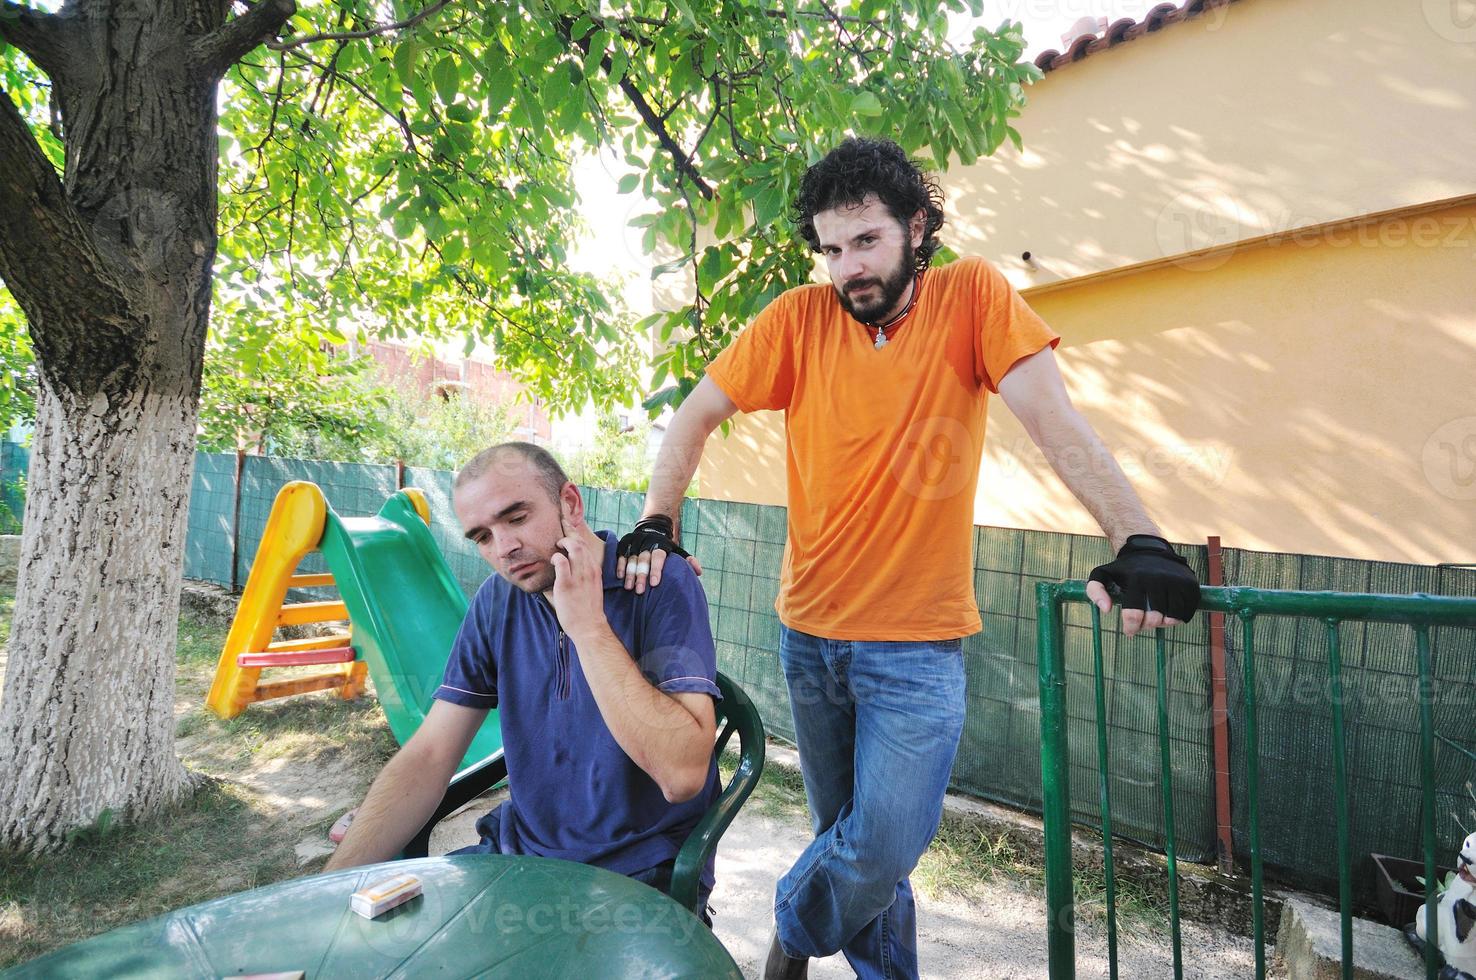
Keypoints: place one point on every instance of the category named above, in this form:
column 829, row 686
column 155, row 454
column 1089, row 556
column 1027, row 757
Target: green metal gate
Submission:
column 1419, row 612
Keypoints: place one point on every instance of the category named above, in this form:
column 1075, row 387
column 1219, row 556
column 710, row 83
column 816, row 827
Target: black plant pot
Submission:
column 1400, row 893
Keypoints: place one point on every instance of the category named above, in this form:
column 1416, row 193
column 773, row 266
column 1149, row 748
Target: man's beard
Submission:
column 892, row 288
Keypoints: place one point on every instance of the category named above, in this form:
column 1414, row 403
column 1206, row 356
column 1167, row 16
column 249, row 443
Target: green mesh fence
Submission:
column 14, row 461
column 1381, row 712
column 466, row 564
column 741, row 547
column 212, row 518
column 999, row 757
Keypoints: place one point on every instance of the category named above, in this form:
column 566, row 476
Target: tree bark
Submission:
column 87, row 721
column 112, row 266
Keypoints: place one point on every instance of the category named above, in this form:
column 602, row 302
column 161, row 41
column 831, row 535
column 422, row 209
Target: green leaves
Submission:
column 767, row 206
column 447, row 77
column 866, row 103
column 17, row 367
column 406, row 56
column 424, row 185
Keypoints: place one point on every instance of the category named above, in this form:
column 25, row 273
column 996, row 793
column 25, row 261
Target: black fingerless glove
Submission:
column 1149, row 574
column 654, row 533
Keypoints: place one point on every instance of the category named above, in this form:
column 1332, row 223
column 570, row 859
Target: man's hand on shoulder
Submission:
column 1156, row 585
column 643, row 552
column 578, row 593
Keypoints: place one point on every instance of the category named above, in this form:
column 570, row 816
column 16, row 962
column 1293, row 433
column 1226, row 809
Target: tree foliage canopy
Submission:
column 401, row 168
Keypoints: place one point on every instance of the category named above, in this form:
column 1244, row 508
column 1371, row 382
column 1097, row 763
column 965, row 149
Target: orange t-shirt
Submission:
column 883, row 447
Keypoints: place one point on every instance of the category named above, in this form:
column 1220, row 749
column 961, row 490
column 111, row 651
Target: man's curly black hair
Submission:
column 861, row 166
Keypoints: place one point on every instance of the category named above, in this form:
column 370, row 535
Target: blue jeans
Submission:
column 878, row 725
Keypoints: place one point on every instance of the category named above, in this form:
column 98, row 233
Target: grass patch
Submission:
column 198, row 644
column 112, row 875
column 292, row 727
column 7, row 610
column 1139, row 910
column 273, row 770
column 780, row 791
column 963, row 857
column 296, row 726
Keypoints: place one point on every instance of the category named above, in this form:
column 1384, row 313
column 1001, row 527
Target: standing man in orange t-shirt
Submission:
column 884, row 377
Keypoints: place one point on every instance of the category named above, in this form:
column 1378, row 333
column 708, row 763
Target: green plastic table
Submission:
column 481, row 915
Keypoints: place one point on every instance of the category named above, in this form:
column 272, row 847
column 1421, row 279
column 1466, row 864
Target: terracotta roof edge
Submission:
column 1123, row 30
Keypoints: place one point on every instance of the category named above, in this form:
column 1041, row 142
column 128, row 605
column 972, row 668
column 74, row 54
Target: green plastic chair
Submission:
column 735, row 713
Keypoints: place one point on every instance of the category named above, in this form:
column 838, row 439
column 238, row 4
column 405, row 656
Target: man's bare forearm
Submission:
column 1084, row 464
column 659, row 734
column 676, row 464
column 402, row 799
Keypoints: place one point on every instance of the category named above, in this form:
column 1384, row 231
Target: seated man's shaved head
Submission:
column 551, row 475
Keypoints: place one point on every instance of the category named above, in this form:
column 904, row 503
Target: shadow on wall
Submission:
column 1311, row 397
column 1257, row 122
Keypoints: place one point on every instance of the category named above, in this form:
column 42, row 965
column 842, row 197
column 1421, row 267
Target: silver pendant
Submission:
column 881, row 338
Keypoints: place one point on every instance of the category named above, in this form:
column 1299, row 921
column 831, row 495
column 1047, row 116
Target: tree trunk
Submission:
column 87, row 720
column 112, row 266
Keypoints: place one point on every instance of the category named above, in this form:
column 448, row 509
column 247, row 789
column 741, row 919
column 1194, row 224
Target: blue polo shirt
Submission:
column 575, row 794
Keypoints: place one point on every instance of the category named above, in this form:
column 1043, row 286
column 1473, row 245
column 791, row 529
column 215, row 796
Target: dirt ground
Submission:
column 277, row 778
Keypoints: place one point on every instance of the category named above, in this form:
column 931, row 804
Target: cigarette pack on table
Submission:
column 374, row 900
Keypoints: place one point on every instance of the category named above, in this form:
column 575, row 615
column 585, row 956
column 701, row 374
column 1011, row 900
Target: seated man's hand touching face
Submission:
column 578, row 593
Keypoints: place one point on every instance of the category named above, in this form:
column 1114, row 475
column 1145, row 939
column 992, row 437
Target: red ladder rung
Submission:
column 303, row 658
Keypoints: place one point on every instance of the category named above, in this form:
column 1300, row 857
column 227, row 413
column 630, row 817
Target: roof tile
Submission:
column 1124, row 30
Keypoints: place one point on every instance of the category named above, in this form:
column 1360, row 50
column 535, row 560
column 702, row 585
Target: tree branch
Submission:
column 47, row 255
column 227, row 44
column 375, row 31
column 655, row 121
column 38, row 34
column 679, row 156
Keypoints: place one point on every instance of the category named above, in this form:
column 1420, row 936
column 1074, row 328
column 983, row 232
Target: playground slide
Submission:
column 406, row 608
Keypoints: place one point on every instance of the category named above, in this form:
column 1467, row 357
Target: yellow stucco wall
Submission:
column 1250, row 120
column 1318, row 396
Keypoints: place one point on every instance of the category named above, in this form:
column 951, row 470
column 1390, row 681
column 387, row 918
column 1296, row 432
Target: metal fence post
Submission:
column 236, row 521
column 1055, row 780
column 1224, row 838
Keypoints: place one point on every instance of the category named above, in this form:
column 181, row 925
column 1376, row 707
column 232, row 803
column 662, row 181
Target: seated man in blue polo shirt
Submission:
column 605, row 696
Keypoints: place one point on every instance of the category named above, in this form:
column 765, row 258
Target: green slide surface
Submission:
column 406, row 608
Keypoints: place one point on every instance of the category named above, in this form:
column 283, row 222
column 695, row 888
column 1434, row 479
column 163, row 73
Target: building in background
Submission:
column 474, row 377
column 1254, row 225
